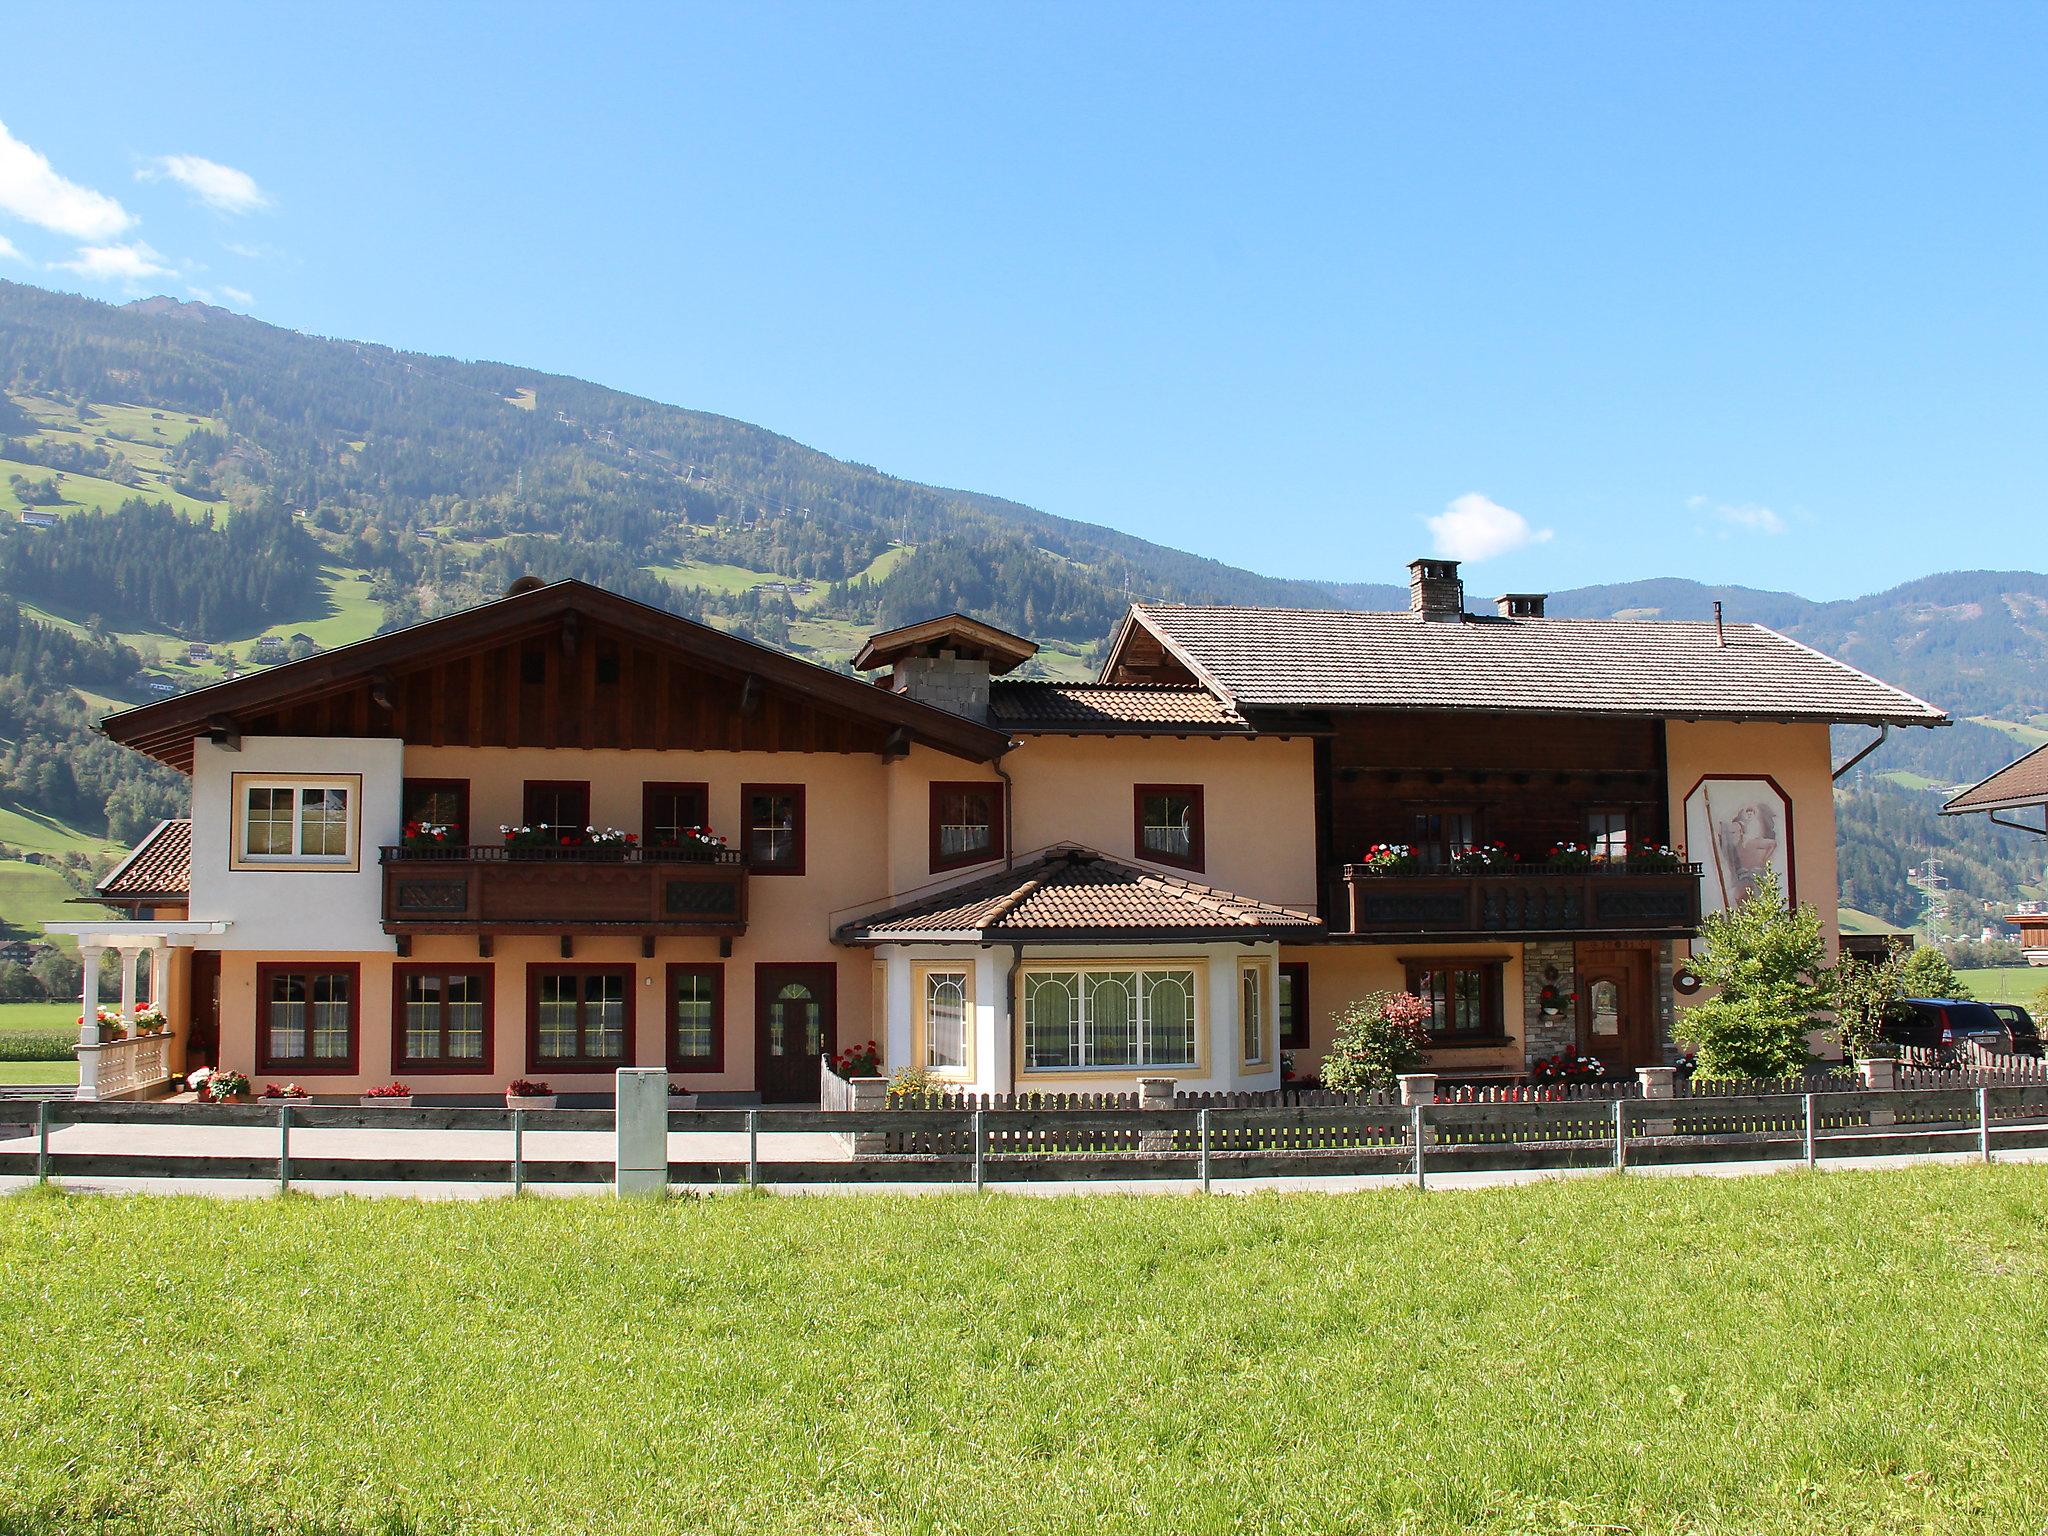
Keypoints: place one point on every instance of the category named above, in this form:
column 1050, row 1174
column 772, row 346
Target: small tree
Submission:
column 1927, row 973
column 1769, row 962
column 1379, row 1036
column 1867, row 994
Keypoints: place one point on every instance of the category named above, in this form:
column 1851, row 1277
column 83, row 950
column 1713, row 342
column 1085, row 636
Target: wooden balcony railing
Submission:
column 495, row 889
column 1522, row 903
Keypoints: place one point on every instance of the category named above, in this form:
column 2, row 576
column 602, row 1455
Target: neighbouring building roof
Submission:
column 2016, row 785
column 1300, row 658
column 1109, row 708
column 1072, row 894
column 953, row 632
column 158, row 869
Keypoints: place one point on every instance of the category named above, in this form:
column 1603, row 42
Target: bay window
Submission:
column 1109, row 1017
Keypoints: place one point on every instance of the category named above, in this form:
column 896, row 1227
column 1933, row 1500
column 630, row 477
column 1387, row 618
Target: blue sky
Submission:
column 1746, row 293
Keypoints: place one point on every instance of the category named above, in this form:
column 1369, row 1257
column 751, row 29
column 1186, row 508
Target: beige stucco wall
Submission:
column 1342, row 973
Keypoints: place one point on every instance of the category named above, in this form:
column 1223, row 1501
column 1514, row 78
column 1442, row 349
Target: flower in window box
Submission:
column 225, row 1086
column 427, row 837
column 1654, row 856
column 697, row 843
column 858, row 1061
column 1388, row 859
column 524, row 1093
column 1477, row 858
column 1570, row 856
column 288, row 1092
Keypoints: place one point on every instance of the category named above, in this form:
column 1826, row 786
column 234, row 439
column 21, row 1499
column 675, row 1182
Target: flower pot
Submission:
column 530, row 1100
column 682, row 1101
column 386, row 1101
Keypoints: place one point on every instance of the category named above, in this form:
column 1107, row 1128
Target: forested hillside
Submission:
column 212, row 493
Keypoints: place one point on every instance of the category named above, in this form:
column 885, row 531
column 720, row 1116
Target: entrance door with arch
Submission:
column 796, row 1024
column 1617, row 1004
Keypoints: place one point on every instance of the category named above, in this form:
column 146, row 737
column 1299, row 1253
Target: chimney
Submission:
column 1435, row 593
column 1521, row 605
column 948, row 680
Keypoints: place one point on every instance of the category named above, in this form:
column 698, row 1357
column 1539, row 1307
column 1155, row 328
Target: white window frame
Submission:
column 350, row 784
column 1078, row 1031
column 921, row 976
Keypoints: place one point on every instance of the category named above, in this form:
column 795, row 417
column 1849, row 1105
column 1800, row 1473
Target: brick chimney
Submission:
column 1434, row 591
column 948, row 680
column 1521, row 605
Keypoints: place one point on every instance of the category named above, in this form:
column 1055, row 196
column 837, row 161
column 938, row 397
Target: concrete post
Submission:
column 89, row 1022
column 1155, row 1093
column 1658, row 1083
column 1880, row 1075
column 640, row 1124
column 1417, row 1088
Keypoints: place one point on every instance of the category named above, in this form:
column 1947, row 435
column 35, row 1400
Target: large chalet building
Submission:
column 489, row 846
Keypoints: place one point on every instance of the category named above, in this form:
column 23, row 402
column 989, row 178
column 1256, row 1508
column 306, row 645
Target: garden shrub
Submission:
column 1379, row 1036
column 1927, row 973
column 1768, row 963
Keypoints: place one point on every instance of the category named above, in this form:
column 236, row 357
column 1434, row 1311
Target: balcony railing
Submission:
column 1523, row 902
column 492, row 888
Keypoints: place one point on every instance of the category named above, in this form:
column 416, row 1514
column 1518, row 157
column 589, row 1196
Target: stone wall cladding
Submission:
column 1667, row 1001
column 1547, row 1036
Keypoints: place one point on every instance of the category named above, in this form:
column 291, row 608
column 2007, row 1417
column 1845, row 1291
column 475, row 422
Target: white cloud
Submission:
column 221, row 187
column 240, row 296
column 31, row 190
column 1749, row 517
column 129, row 263
column 1475, row 527
column 9, row 251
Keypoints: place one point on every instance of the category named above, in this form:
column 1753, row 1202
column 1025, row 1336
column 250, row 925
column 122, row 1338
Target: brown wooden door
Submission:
column 796, row 1024
column 202, row 1010
column 1617, row 1004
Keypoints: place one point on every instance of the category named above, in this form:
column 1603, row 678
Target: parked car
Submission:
column 1938, row 1022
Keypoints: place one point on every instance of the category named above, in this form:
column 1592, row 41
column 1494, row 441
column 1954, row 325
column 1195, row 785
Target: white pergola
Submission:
column 119, row 1066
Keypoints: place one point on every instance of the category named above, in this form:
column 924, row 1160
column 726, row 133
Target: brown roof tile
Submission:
column 160, row 866
column 1108, row 707
column 1072, row 894
column 2017, row 784
column 1260, row 658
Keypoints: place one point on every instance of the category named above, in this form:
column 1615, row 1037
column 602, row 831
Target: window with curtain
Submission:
column 309, row 1019
column 966, row 824
column 443, row 1017
column 1111, row 1018
column 696, row 1004
column 579, row 1016
column 1251, row 1000
column 947, row 1015
column 297, row 821
column 1169, row 824
column 1464, row 998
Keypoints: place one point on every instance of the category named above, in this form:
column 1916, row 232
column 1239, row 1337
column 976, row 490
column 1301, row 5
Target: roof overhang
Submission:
column 1003, row 651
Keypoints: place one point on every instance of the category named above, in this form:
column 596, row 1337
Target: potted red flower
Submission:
column 389, row 1096
column 523, row 1093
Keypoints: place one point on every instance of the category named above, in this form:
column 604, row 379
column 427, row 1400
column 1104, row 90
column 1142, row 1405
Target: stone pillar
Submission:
column 870, row 1096
column 127, row 984
column 89, row 1022
column 1548, row 1036
column 640, row 1125
column 1880, row 1075
column 1155, row 1093
column 1658, row 1083
column 1417, row 1088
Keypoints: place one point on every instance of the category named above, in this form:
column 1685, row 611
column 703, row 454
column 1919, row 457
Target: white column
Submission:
column 127, row 983
column 89, row 1014
column 160, row 979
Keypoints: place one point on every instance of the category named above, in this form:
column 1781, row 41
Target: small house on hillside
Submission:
column 31, row 518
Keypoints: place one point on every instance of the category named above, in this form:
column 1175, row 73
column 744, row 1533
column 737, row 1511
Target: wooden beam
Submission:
column 750, row 694
column 483, row 946
column 404, row 946
column 568, row 946
column 646, row 946
column 224, row 733
column 896, row 745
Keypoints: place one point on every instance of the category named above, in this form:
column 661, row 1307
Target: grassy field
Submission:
column 37, row 833
column 31, row 895
column 1800, row 1353
column 40, row 1019
column 2005, row 983
column 40, row 1073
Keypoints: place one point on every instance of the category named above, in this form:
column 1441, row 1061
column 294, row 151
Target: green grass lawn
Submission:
column 32, row 894
column 39, row 1073
column 37, row 833
column 2005, row 983
column 40, row 1019
column 1799, row 1353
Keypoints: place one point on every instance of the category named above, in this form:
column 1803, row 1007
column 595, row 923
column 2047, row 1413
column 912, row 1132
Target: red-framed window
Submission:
column 966, row 824
column 696, row 1017
column 556, row 803
column 441, row 1018
column 1293, row 999
column 578, row 1017
column 1167, row 824
column 666, row 808
column 1464, row 997
column 442, row 802
column 308, row 1018
column 772, row 827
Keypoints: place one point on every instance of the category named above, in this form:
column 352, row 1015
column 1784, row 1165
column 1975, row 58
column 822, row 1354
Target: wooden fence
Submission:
column 982, row 1145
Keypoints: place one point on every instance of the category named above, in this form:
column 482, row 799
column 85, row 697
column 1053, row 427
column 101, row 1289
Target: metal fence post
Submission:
column 1202, row 1120
column 1621, row 1133
column 42, row 1141
column 1809, row 1131
column 518, row 1151
column 1984, row 1123
column 284, row 1146
column 753, row 1149
column 980, row 1144
column 1415, row 1125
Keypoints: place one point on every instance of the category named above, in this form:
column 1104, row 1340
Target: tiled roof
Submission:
column 1073, row 894
column 160, row 866
column 1339, row 659
column 2016, row 784
column 1108, row 707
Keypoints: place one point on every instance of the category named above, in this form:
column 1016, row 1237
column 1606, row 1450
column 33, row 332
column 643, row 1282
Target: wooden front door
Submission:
column 202, row 1010
column 795, row 1013
column 1618, row 1005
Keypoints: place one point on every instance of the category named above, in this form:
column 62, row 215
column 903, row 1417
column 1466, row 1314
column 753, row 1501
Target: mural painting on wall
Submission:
column 1736, row 829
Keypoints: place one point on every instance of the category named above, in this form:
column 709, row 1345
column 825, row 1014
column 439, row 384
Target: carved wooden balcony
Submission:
column 1521, row 903
column 486, row 890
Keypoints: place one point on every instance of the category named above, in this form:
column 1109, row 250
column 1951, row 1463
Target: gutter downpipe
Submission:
column 1884, row 731
column 1009, row 1085
column 1009, row 810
